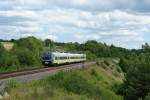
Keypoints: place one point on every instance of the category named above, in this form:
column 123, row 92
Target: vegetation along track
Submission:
column 62, row 67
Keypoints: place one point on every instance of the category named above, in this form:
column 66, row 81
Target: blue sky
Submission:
column 124, row 23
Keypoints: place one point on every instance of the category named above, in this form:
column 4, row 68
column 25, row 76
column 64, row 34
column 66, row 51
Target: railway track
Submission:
column 48, row 69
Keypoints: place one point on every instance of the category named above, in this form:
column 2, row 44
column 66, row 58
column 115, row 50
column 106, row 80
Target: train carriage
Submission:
column 53, row 58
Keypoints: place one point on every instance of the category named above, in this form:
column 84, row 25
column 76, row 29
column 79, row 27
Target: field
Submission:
column 7, row 45
column 95, row 83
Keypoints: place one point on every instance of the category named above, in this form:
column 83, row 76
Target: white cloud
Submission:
column 75, row 20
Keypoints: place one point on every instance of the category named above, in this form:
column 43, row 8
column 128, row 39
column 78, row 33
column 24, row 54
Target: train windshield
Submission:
column 46, row 56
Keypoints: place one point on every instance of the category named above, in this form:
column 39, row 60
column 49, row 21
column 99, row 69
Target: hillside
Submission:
column 8, row 45
column 26, row 55
column 95, row 83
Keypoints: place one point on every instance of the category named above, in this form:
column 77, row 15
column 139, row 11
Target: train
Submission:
column 57, row 58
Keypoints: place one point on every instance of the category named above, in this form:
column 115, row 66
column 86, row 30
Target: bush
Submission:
column 26, row 57
column 137, row 83
column 7, row 59
column 25, row 52
column 28, row 51
column 91, row 56
column 75, row 83
column 2, row 49
column 94, row 73
column 147, row 97
column 12, row 84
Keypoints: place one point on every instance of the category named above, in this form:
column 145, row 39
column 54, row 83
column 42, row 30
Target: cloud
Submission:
column 121, row 22
column 89, row 5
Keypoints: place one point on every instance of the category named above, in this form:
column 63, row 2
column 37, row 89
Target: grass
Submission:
column 91, row 84
column 22, row 68
column 8, row 45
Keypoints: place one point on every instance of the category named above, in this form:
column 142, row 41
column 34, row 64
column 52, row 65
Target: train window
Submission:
column 63, row 58
column 60, row 58
column 76, row 57
column 46, row 56
column 56, row 58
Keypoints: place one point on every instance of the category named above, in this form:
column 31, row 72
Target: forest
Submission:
column 135, row 63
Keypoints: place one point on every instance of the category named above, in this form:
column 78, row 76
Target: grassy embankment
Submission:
column 95, row 83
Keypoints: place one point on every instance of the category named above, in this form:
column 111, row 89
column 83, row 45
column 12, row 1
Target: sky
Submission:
column 124, row 23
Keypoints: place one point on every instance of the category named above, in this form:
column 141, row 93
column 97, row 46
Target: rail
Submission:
column 48, row 69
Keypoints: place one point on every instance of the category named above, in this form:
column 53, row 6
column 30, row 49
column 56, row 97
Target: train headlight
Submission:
column 46, row 62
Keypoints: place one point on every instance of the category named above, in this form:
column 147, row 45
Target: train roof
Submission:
column 67, row 54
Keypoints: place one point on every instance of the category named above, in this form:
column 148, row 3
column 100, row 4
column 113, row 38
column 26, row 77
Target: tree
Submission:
column 26, row 57
column 2, row 49
column 48, row 42
column 123, row 64
column 2, row 54
column 7, row 59
column 28, row 51
column 137, row 83
column 146, row 47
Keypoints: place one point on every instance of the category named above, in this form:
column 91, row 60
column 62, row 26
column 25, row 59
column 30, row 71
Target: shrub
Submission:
column 8, row 60
column 26, row 57
column 75, row 83
column 147, row 97
column 2, row 49
column 137, row 83
column 94, row 73
column 28, row 51
column 12, row 84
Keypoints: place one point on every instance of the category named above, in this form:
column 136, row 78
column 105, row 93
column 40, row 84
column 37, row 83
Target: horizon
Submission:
column 11, row 40
column 123, row 23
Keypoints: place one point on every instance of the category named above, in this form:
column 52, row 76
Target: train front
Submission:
column 47, row 58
